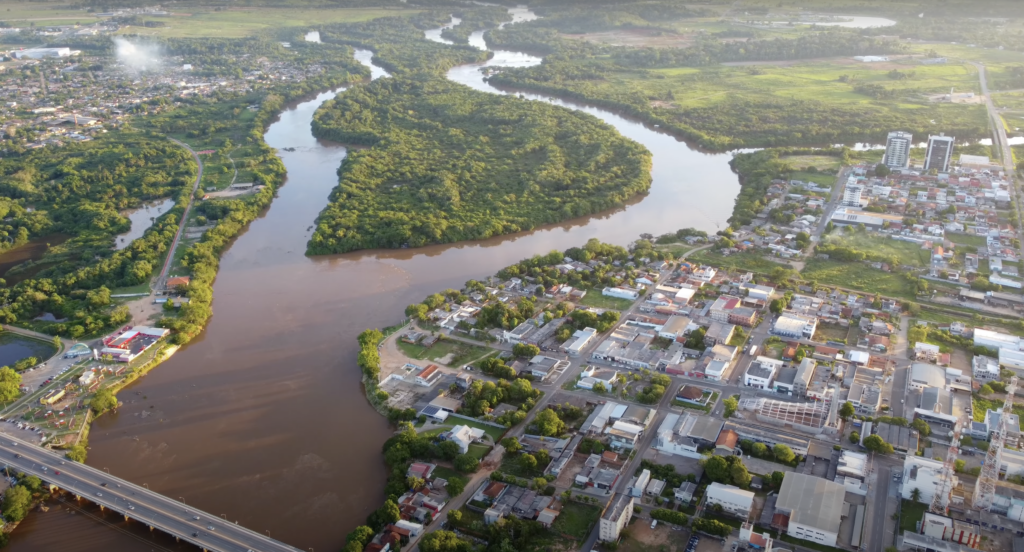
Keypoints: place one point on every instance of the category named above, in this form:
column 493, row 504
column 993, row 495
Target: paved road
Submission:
column 208, row 532
column 999, row 132
column 162, row 281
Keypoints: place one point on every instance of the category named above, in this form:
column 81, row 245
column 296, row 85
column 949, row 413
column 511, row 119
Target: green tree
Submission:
column 449, row 449
column 388, row 513
column 915, row 494
column 776, row 306
column 731, row 404
column 783, row 453
column 985, row 390
column 511, row 444
column 103, row 401
column 32, row 483
column 717, row 469
column 854, row 437
column 455, row 516
column 760, row 450
column 548, row 423
column 875, row 443
column 959, row 465
column 10, row 384
column 739, row 475
column 455, row 485
column 77, row 453
column 16, row 502
column 528, row 462
column 599, row 387
column 443, row 541
column 466, row 463
column 846, row 410
column 881, row 170
column 359, row 537
column 923, row 428
column 525, row 350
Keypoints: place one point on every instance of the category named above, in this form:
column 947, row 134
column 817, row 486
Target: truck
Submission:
column 752, row 350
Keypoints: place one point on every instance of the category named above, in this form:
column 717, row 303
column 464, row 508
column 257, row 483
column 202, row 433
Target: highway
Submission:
column 175, row 518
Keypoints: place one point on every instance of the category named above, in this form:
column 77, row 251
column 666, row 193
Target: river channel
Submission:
column 262, row 418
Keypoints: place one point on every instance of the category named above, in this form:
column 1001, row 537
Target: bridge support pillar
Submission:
column 150, row 527
column 101, row 507
column 126, row 517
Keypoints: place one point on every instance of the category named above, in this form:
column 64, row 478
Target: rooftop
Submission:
column 812, row 501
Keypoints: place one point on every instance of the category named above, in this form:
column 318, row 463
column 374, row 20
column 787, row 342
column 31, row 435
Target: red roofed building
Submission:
column 178, row 281
column 723, row 307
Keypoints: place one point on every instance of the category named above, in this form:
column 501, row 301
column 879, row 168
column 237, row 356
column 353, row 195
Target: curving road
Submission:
column 204, row 530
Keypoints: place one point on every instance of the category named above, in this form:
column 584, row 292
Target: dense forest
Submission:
column 399, row 46
column 448, row 163
column 475, row 20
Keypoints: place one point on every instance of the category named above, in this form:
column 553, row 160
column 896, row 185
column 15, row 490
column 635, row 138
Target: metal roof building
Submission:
column 815, row 507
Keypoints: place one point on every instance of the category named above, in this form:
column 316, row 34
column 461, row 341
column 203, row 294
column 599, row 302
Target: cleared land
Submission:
column 858, row 276
column 595, row 299
column 908, row 253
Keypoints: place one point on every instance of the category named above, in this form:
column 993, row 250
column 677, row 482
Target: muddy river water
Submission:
column 262, row 418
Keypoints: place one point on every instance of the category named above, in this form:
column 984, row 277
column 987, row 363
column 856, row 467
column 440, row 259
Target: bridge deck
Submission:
column 139, row 503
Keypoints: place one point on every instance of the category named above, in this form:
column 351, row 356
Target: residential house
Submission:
column 463, row 436
column 733, row 500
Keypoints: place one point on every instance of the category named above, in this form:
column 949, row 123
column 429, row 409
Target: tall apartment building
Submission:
column 897, row 149
column 615, row 517
column 852, row 195
column 940, row 150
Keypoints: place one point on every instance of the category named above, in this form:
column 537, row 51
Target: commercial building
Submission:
column 940, row 150
column 897, row 149
column 761, row 372
column 615, row 517
column 621, row 293
column 574, row 346
column 722, row 306
column 804, row 375
column 926, row 375
column 639, row 484
column 810, row 417
column 792, row 325
column 996, row 340
column 41, row 53
column 686, row 434
column 675, row 327
column 923, row 474
column 814, row 507
column 733, row 500
column 1012, row 359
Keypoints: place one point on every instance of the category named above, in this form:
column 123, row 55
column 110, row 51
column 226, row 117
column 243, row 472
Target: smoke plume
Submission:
column 138, row 56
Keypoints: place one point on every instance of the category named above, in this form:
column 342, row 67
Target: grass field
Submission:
column 751, row 262
column 821, row 179
column 827, row 162
column 858, row 276
column 464, row 352
column 908, row 253
column 237, row 22
column 478, row 451
column 967, row 239
column 595, row 299
column 910, row 513
column 43, row 14
column 576, row 519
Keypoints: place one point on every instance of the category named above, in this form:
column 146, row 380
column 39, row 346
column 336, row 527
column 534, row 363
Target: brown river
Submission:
column 262, row 419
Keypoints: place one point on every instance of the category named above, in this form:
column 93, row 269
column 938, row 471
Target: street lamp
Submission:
column 146, row 485
column 182, row 500
column 106, row 470
column 224, row 516
column 268, row 532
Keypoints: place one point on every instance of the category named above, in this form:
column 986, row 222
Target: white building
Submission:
column 996, row 340
column 463, row 436
column 639, row 484
column 761, row 372
column 922, row 474
column 927, row 375
column 704, row 273
column 675, row 327
column 790, row 324
column 40, row 53
column 579, row 340
column 814, row 506
column 940, row 149
column 852, row 195
column 733, row 500
column 621, row 293
column 985, row 368
column 615, row 517
column 897, row 151
column 1011, row 358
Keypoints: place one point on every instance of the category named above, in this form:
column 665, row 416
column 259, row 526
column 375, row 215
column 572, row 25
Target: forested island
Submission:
column 447, row 163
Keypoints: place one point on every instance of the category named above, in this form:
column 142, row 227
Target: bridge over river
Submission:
column 175, row 518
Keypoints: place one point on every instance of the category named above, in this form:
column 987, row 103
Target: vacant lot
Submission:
column 445, row 351
column 826, row 162
column 908, row 253
column 821, row 179
column 858, row 276
column 750, row 262
column 577, row 519
column 593, row 298
column 967, row 239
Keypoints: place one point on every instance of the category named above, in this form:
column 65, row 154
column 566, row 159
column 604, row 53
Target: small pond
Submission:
column 14, row 347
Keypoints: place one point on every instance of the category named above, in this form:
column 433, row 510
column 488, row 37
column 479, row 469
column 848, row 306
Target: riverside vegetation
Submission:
column 447, row 163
